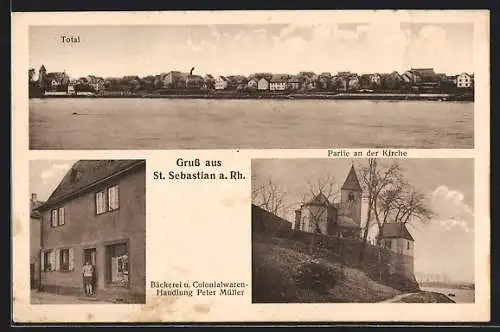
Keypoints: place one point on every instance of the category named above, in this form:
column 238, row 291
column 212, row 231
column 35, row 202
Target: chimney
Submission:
column 33, row 202
column 298, row 215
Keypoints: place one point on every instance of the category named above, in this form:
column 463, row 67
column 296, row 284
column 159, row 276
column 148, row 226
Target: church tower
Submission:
column 350, row 197
column 41, row 76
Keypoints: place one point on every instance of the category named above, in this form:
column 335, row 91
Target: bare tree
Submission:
column 270, row 196
column 413, row 205
column 390, row 198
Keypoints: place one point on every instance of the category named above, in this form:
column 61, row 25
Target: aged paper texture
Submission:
column 241, row 166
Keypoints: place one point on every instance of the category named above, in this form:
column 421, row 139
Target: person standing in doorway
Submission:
column 87, row 278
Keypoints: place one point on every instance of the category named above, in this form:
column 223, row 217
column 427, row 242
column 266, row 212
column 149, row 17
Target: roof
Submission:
column 319, row 199
column 42, row 68
column 223, row 78
column 347, row 222
column 195, row 77
column 34, row 213
column 396, row 230
column 57, row 75
column 86, row 173
column 423, row 71
column 278, row 80
column 351, row 182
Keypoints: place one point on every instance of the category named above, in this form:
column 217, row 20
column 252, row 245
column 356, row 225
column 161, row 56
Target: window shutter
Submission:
column 62, row 215
column 57, row 259
column 52, row 258
column 71, row 260
column 42, row 261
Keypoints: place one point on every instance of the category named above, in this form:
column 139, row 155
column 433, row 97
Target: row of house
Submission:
column 421, row 78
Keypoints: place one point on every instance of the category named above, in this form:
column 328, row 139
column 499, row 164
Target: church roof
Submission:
column 319, row 199
column 396, row 230
column 351, row 182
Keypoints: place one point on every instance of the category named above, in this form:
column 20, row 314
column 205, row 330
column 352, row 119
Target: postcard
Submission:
column 251, row 166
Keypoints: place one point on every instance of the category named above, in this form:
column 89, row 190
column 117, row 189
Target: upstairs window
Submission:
column 53, row 218
column 350, row 197
column 62, row 216
column 107, row 200
column 408, row 245
column 58, row 217
column 99, row 202
column 113, row 201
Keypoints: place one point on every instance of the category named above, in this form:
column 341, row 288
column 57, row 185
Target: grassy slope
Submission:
column 275, row 270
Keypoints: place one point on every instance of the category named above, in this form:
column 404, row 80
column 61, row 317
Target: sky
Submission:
column 45, row 175
column 116, row 51
column 445, row 245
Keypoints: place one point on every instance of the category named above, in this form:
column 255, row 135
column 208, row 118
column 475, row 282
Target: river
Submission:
column 127, row 123
column 461, row 295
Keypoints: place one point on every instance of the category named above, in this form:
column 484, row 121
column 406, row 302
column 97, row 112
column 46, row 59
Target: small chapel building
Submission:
column 341, row 219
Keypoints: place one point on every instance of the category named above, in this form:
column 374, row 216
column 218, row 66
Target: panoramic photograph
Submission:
column 87, row 223
column 363, row 231
column 252, row 86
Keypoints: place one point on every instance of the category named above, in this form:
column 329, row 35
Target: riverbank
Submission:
column 421, row 297
column 278, row 96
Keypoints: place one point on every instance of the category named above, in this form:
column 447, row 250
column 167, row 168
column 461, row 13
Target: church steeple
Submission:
column 351, row 182
column 350, row 197
column 41, row 76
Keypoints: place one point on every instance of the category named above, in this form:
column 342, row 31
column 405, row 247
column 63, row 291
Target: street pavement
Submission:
column 50, row 298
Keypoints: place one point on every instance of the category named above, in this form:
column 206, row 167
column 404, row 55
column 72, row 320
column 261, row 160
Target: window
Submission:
column 64, row 260
column 53, row 219
column 99, row 202
column 388, row 244
column 107, row 200
column 350, row 197
column 48, row 261
column 408, row 246
column 58, row 217
column 113, row 201
column 117, row 264
column 61, row 218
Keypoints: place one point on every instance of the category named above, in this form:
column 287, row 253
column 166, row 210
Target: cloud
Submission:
column 53, row 171
column 451, row 223
column 451, row 210
column 214, row 31
column 432, row 33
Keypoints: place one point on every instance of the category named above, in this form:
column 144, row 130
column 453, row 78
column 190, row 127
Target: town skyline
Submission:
column 249, row 48
column 333, row 73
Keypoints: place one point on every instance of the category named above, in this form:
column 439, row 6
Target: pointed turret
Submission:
column 350, row 197
column 351, row 182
